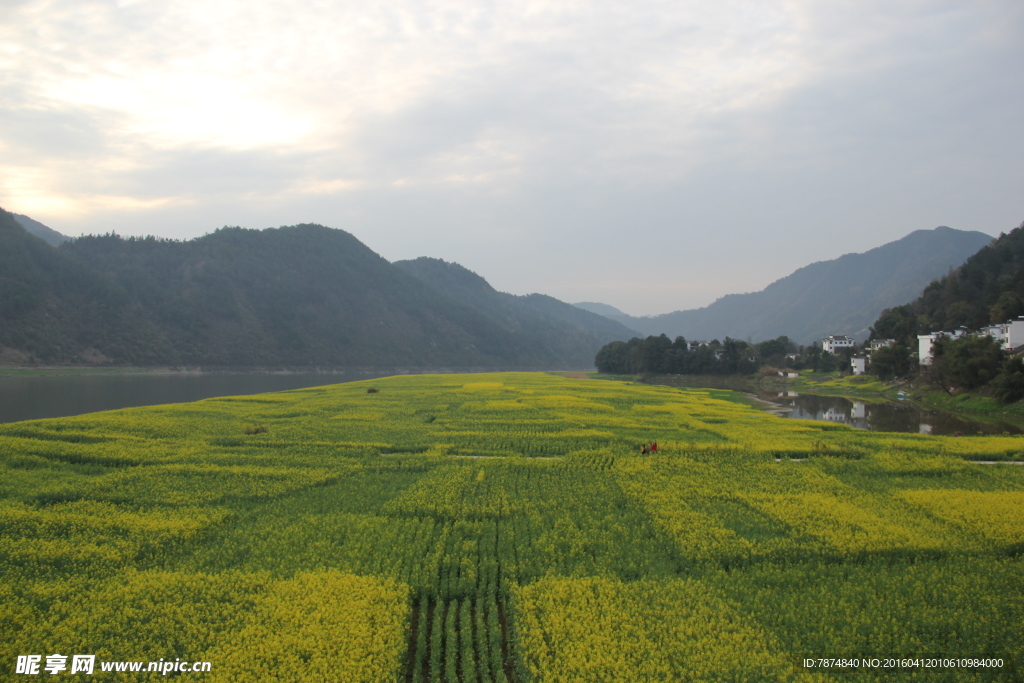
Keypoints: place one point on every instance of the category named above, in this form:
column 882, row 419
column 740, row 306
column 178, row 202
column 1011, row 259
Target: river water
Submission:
column 30, row 397
column 881, row 417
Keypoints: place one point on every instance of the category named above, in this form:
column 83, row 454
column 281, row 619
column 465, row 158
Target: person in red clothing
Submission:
column 654, row 447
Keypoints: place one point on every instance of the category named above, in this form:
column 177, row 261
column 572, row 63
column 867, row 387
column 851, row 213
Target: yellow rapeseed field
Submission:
column 495, row 528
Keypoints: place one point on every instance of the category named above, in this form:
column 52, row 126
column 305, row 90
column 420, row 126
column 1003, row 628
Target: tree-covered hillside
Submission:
column 561, row 330
column 57, row 309
column 987, row 289
column 296, row 296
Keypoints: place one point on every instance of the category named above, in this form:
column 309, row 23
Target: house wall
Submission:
column 1010, row 334
column 925, row 342
column 1014, row 334
column 832, row 344
column 924, row 348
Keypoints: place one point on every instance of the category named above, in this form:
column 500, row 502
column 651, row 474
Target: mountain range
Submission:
column 297, row 296
column 841, row 296
column 311, row 296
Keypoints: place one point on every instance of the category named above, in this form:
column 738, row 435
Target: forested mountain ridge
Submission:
column 55, row 308
column 542, row 321
column 841, row 296
column 43, row 232
column 987, row 289
column 298, row 296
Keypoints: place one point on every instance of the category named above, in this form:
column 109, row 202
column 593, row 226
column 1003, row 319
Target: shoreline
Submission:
column 774, row 409
column 372, row 373
column 966, row 407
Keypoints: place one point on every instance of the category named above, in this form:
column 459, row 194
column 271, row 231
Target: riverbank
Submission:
column 863, row 388
column 917, row 392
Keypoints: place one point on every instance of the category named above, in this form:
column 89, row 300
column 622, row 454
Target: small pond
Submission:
column 880, row 417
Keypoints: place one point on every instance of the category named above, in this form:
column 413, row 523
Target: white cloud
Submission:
column 701, row 131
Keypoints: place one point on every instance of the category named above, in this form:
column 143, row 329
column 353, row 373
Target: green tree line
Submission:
column 661, row 355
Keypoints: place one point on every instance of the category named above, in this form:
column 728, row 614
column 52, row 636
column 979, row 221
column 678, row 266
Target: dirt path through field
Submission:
column 976, row 462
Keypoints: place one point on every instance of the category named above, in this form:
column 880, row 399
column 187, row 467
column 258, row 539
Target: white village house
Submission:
column 925, row 342
column 859, row 365
column 1010, row 336
column 836, row 342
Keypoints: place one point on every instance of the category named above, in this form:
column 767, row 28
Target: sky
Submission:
column 653, row 156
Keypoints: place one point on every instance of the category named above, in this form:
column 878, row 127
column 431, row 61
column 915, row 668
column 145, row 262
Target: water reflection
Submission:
column 881, row 417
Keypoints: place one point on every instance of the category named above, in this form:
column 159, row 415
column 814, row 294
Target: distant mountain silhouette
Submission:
column 296, row 296
column 544, row 323
column 601, row 309
column 34, row 227
column 615, row 314
column 842, row 296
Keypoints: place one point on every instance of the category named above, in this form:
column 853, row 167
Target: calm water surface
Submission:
column 30, row 397
column 882, row 417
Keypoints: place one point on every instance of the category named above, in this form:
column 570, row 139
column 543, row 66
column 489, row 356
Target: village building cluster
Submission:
column 835, row 343
column 1009, row 335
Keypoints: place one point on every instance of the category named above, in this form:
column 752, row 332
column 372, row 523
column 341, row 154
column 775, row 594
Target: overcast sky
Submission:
column 649, row 155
